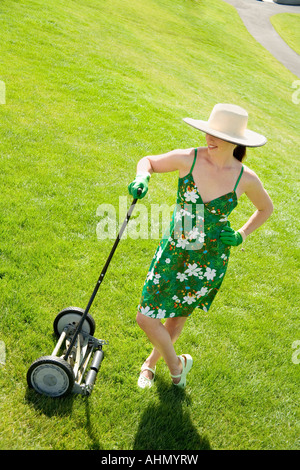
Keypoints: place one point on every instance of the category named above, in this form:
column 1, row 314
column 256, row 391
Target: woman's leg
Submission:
column 162, row 337
column 174, row 327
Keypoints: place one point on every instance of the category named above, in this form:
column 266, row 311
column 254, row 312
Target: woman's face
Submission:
column 216, row 145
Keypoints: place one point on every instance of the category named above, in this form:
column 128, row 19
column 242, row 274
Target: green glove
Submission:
column 231, row 237
column 140, row 181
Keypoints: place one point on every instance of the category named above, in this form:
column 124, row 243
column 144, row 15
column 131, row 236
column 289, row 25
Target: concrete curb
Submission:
column 256, row 17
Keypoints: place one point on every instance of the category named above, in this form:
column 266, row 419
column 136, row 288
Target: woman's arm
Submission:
column 259, row 197
column 171, row 161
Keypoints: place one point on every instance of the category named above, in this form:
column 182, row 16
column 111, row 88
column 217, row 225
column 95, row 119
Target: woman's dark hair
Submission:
column 239, row 152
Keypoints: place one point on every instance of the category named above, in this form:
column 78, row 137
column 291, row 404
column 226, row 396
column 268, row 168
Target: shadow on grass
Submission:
column 61, row 407
column 168, row 425
column 50, row 406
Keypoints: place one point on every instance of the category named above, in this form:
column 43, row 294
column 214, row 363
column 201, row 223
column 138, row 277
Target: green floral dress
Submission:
column 190, row 262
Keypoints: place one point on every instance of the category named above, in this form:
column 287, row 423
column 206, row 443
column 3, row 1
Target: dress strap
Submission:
column 194, row 161
column 238, row 180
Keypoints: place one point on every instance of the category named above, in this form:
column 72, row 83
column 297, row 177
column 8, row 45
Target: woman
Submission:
column 183, row 276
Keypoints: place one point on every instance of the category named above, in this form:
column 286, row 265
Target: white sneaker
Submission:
column 143, row 381
column 187, row 362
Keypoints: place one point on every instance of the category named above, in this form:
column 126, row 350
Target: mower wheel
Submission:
column 72, row 315
column 51, row 376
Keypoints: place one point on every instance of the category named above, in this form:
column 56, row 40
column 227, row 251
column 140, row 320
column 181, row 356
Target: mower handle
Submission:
column 79, row 325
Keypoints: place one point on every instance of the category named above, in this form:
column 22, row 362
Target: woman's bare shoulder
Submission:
column 250, row 176
column 186, row 158
column 251, row 183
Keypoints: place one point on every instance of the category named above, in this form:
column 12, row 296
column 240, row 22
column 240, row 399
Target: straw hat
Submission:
column 229, row 122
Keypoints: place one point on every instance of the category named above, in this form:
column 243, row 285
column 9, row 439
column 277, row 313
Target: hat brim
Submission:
column 250, row 138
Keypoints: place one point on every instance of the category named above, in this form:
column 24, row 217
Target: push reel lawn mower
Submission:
column 76, row 359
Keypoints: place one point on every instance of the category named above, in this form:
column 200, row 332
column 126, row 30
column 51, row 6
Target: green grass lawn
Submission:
column 91, row 87
column 288, row 26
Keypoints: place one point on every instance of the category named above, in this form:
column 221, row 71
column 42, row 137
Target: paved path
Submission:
column 256, row 17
